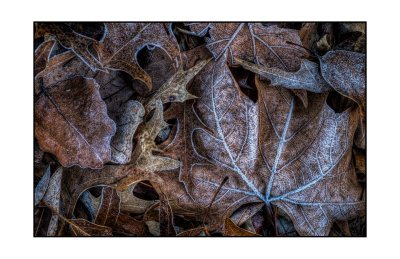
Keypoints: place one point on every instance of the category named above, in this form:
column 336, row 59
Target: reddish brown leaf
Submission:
column 123, row 41
column 42, row 54
column 109, row 208
column 79, row 131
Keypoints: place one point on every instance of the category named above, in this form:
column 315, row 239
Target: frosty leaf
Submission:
column 253, row 42
column 143, row 154
column 123, row 41
column 52, row 198
column 306, row 78
column 127, row 123
column 174, row 90
column 310, row 175
column 72, row 40
column 78, row 131
column 345, row 72
column 41, row 187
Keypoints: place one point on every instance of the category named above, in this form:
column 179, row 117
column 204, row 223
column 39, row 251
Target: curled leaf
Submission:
column 127, row 123
column 41, row 187
column 174, row 90
column 231, row 230
column 143, row 154
column 306, row 78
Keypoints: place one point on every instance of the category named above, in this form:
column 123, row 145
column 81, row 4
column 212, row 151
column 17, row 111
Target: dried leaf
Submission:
column 109, row 208
column 306, row 78
column 128, row 225
column 308, row 34
column 277, row 151
column 127, row 123
column 123, row 41
column 253, row 42
column 345, row 72
column 52, row 198
column 42, row 54
column 166, row 217
column 131, row 204
column 231, row 230
column 174, row 90
column 194, row 232
column 41, row 187
column 77, row 132
column 145, row 146
column 82, row 227
column 245, row 212
column 310, row 174
column 72, row 40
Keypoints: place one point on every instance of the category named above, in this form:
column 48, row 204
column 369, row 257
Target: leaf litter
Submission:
column 151, row 129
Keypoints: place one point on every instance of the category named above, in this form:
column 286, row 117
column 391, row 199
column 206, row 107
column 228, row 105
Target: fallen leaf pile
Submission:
column 199, row 129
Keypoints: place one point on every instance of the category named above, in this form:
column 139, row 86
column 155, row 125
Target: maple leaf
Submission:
column 123, row 41
column 71, row 40
column 253, row 42
column 77, row 132
column 276, row 151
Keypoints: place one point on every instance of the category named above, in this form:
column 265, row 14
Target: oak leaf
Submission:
column 123, row 41
column 76, row 132
column 73, row 41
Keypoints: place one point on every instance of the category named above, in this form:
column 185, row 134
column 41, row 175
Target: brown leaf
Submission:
column 166, row 217
column 345, row 72
column 276, row 151
column 82, row 227
column 194, row 232
column 253, row 42
column 311, row 162
column 308, row 34
column 123, row 41
column 71, row 40
column 109, row 208
column 245, row 212
column 128, row 225
column 231, row 230
column 42, row 54
column 76, row 132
